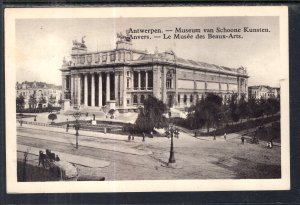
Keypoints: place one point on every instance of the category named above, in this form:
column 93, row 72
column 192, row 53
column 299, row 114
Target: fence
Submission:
column 84, row 125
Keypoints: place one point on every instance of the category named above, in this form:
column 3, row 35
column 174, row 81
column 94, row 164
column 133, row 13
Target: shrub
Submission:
column 52, row 117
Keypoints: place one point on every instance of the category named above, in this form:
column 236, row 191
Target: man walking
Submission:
column 243, row 139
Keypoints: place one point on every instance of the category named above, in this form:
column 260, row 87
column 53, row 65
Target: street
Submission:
column 199, row 158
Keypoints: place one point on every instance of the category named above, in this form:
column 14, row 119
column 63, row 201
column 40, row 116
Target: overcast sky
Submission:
column 41, row 44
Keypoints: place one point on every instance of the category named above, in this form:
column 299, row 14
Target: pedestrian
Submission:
column 132, row 137
column 57, row 158
column 214, row 136
column 271, row 143
column 225, row 136
column 195, row 134
column 243, row 139
column 42, row 158
column 67, row 128
column 143, row 137
column 129, row 137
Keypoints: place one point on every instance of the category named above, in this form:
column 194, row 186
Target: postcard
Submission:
column 142, row 99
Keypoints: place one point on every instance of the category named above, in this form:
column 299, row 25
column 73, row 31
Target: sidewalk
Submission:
column 75, row 159
column 116, row 148
column 81, row 132
column 219, row 137
column 110, row 136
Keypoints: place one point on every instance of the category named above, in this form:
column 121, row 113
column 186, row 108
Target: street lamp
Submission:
column 77, row 115
column 172, row 132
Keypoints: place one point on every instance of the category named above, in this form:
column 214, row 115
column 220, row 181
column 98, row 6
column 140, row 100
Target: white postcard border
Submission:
column 11, row 14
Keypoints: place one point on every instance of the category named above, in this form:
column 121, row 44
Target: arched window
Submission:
column 169, row 80
column 184, row 99
column 191, row 98
column 135, row 99
column 142, row 98
column 178, row 98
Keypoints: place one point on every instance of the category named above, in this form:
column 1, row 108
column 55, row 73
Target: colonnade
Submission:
column 139, row 79
column 81, row 83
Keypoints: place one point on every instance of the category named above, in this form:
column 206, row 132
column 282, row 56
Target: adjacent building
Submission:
column 124, row 77
column 263, row 91
column 43, row 94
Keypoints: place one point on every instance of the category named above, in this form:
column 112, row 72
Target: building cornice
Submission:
column 151, row 63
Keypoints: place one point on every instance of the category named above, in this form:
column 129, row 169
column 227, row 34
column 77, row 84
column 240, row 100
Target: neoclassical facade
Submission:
column 126, row 77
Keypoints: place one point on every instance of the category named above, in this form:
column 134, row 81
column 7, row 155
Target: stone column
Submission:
column 238, row 87
column 132, row 81
column 164, row 86
column 146, row 78
column 79, row 90
column 86, row 89
column 139, row 80
column 124, row 86
column 117, row 88
column 175, row 86
column 63, row 83
column 72, row 90
column 156, row 82
column 93, row 90
column 100, row 90
column 107, row 86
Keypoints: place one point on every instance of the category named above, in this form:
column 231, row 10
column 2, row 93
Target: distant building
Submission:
column 263, row 91
column 39, row 90
column 126, row 77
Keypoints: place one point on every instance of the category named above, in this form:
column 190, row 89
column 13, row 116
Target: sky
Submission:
column 41, row 44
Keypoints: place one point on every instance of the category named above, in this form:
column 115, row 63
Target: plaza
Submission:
column 115, row 158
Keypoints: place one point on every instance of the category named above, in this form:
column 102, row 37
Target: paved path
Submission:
column 117, row 137
column 75, row 159
column 54, row 137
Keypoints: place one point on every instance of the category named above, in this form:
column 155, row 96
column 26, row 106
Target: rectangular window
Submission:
column 112, row 57
column 104, row 58
column 169, row 83
column 97, row 58
column 128, row 83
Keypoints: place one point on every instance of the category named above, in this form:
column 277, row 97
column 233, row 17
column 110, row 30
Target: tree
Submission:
column 20, row 102
column 42, row 100
column 151, row 116
column 60, row 102
column 243, row 110
column 208, row 111
column 234, row 108
column 52, row 100
column 272, row 106
column 52, row 117
column 32, row 101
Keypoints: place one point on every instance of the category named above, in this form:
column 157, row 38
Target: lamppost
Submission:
column 171, row 131
column 77, row 115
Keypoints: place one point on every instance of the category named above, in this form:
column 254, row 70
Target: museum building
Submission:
column 124, row 77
